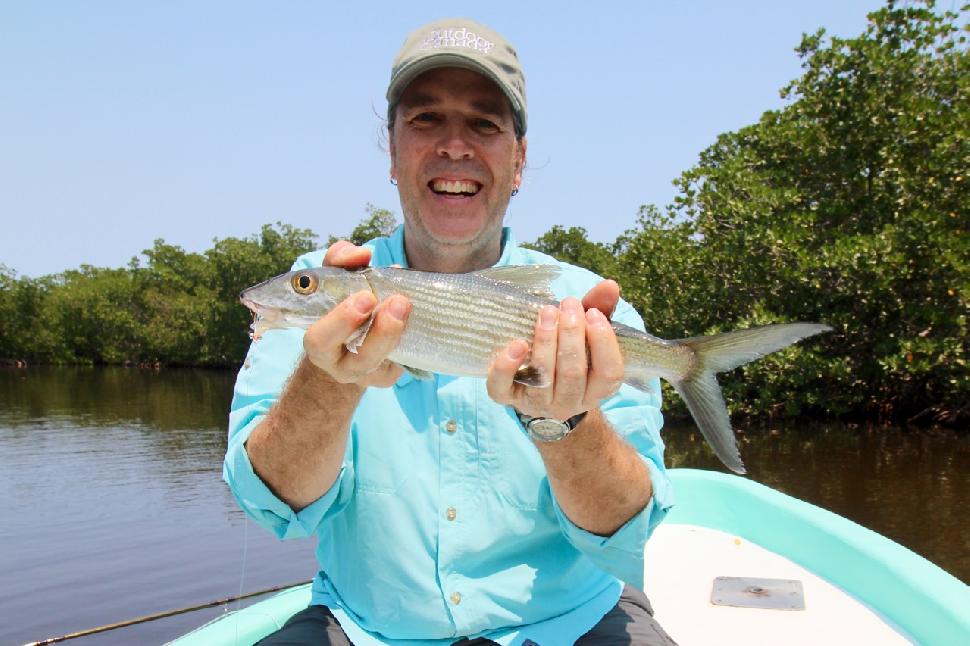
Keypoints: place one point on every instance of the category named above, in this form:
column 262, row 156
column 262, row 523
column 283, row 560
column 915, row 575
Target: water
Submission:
column 114, row 506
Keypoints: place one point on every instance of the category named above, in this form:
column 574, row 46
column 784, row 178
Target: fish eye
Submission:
column 304, row 284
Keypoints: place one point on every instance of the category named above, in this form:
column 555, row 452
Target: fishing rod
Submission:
column 162, row 615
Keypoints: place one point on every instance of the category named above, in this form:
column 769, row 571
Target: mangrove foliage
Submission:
column 848, row 206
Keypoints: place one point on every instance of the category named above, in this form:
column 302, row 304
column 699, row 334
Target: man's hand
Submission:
column 324, row 342
column 579, row 380
column 598, row 479
column 298, row 449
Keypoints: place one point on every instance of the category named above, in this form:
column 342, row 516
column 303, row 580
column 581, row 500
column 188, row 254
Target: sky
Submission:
column 124, row 122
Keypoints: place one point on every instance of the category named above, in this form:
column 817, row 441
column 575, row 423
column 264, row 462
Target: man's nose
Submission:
column 454, row 144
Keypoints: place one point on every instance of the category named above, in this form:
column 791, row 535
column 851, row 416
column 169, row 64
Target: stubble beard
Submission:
column 436, row 253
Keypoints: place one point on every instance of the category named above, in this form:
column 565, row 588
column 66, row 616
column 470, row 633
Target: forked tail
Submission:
column 721, row 352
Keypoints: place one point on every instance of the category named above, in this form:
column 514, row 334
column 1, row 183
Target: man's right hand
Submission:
column 298, row 449
column 325, row 340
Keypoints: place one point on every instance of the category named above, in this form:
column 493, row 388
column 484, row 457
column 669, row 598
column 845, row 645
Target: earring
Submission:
column 393, row 181
column 515, row 191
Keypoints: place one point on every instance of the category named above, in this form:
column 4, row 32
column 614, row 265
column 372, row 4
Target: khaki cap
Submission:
column 460, row 42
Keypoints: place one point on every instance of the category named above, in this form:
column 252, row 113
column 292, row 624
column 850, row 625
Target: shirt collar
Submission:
column 392, row 251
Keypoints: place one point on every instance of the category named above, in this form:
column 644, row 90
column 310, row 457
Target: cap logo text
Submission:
column 456, row 38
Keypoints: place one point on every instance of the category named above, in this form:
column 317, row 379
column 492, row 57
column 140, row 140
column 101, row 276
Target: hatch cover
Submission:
column 751, row 592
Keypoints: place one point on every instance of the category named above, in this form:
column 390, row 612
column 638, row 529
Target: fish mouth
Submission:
column 454, row 187
column 250, row 304
column 265, row 319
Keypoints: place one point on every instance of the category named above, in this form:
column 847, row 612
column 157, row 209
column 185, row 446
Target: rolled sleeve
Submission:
column 635, row 415
column 262, row 505
column 268, row 365
column 620, row 554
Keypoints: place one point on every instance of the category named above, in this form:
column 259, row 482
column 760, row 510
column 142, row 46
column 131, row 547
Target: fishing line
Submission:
column 242, row 575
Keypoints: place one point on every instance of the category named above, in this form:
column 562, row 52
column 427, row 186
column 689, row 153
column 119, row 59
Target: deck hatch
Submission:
column 751, row 592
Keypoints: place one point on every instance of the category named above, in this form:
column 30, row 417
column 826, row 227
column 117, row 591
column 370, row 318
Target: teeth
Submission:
column 455, row 187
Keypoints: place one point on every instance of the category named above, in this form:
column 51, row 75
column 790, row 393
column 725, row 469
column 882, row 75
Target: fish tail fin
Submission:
column 727, row 351
column 702, row 395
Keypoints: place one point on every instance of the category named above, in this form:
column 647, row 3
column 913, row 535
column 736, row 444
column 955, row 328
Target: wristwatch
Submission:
column 548, row 429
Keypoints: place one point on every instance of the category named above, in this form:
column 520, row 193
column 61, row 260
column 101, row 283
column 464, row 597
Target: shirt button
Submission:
column 451, row 426
column 456, row 598
column 451, row 513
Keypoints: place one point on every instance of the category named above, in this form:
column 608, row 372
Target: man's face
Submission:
column 456, row 160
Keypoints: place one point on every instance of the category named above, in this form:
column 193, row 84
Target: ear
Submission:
column 392, row 149
column 520, row 161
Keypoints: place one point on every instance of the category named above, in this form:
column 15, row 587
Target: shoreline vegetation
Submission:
column 848, row 206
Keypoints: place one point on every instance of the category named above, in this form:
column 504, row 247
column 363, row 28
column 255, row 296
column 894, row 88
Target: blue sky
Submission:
column 122, row 122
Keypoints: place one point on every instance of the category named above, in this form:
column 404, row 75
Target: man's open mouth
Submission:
column 458, row 187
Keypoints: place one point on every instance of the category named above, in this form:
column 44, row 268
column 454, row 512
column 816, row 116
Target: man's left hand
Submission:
column 579, row 378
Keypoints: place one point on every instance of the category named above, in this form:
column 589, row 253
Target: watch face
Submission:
column 548, row 430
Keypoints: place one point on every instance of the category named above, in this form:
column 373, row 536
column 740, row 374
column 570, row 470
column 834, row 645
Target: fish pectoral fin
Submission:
column 417, row 373
column 357, row 337
column 644, row 383
column 530, row 375
column 532, row 279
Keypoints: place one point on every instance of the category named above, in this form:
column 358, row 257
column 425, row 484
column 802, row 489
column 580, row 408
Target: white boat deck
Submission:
column 682, row 562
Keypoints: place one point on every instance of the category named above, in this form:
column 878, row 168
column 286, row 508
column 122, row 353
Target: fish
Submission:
column 458, row 322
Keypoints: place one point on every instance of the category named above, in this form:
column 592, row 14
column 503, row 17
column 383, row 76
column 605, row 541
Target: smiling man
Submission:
column 457, row 159
column 455, row 510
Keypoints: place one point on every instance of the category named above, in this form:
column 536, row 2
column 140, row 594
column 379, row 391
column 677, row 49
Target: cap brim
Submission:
column 446, row 59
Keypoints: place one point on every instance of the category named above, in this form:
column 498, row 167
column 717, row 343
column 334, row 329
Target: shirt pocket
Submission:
column 383, row 444
column 511, row 463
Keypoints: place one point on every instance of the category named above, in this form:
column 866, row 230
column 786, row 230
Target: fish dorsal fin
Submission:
column 532, row 279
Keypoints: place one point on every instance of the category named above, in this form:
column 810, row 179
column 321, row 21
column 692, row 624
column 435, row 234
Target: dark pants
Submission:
column 629, row 623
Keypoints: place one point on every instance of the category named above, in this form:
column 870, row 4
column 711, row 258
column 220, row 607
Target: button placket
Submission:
column 457, row 487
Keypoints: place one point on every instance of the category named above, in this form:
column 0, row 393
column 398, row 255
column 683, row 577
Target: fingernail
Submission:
column 571, row 310
column 548, row 316
column 517, row 351
column 398, row 308
column 594, row 317
column 364, row 302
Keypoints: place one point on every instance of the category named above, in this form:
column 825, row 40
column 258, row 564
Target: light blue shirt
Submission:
column 442, row 523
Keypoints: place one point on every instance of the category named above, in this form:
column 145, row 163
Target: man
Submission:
column 455, row 510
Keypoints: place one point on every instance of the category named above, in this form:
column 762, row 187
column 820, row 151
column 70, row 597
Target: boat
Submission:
column 737, row 562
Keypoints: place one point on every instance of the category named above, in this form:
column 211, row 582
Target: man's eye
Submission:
column 425, row 117
column 484, row 125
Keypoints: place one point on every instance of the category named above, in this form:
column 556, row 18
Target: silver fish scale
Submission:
column 446, row 331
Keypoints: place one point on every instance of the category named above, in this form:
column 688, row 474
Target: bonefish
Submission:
column 459, row 321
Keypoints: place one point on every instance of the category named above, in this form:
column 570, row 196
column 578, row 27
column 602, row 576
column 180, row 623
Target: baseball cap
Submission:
column 460, row 42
